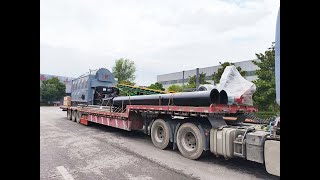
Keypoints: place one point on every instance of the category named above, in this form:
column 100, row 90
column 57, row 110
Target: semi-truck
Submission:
column 193, row 122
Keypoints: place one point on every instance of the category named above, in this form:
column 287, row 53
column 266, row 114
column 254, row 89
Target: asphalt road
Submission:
column 69, row 150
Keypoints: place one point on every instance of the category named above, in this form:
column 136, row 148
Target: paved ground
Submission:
column 73, row 151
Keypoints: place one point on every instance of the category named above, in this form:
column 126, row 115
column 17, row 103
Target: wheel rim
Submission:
column 160, row 134
column 189, row 141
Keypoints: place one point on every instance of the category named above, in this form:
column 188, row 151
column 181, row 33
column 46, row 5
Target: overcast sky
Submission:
column 160, row 36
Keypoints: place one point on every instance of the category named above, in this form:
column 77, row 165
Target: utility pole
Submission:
column 197, row 78
column 182, row 80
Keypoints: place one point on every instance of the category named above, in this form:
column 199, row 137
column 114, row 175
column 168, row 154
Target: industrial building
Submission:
column 65, row 80
column 177, row 77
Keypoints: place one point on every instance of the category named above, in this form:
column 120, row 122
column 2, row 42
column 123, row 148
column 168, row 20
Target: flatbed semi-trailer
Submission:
column 192, row 130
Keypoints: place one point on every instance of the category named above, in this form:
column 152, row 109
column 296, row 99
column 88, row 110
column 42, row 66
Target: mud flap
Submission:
column 217, row 122
column 84, row 121
column 174, row 126
column 205, row 131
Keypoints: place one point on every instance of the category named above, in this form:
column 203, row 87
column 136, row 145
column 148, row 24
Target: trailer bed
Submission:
column 213, row 109
column 124, row 119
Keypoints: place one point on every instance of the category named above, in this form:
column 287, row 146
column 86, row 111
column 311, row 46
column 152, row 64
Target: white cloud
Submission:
column 160, row 36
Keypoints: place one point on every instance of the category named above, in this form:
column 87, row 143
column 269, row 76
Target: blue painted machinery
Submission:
column 92, row 87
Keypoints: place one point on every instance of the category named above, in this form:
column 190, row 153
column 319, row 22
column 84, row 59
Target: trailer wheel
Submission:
column 189, row 141
column 69, row 114
column 78, row 116
column 160, row 134
column 74, row 115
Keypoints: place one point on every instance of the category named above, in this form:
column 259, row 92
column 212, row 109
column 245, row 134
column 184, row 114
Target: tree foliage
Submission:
column 52, row 90
column 192, row 80
column 175, row 88
column 217, row 76
column 156, row 86
column 124, row 70
column 265, row 95
column 127, row 82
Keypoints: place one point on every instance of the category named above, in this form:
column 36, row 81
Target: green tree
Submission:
column 217, row 76
column 52, row 90
column 192, row 80
column 156, row 86
column 265, row 96
column 124, row 70
column 175, row 88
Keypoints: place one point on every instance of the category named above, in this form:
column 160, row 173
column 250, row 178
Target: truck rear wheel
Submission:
column 160, row 134
column 74, row 115
column 69, row 114
column 78, row 116
column 189, row 141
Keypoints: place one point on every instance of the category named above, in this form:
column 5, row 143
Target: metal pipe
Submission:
column 214, row 96
column 223, row 97
column 198, row 98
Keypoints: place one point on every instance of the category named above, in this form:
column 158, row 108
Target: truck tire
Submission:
column 69, row 114
column 160, row 134
column 74, row 115
column 78, row 116
column 189, row 141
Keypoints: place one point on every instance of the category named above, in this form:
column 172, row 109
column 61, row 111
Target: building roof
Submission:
column 209, row 67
